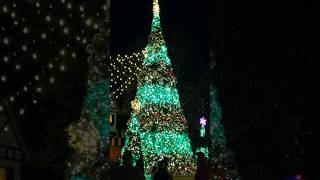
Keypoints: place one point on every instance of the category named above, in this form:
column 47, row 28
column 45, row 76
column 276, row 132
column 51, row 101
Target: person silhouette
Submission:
column 127, row 171
column 203, row 168
column 140, row 164
column 162, row 172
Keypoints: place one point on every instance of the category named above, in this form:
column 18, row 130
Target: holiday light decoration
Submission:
column 132, row 138
column 204, row 147
column 135, row 104
column 220, row 156
column 216, row 128
column 120, row 80
column 96, row 110
column 25, row 43
column 96, row 104
column 159, row 129
column 123, row 71
column 80, row 177
column 203, row 123
column 204, row 150
column 21, row 38
column 84, row 138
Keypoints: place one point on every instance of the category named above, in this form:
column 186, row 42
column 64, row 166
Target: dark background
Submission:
column 266, row 54
column 261, row 54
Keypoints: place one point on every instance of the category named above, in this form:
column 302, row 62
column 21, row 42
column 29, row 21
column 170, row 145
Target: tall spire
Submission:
column 156, row 44
column 156, row 26
column 156, row 8
column 158, row 124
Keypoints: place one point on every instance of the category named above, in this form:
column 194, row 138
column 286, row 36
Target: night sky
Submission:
column 261, row 54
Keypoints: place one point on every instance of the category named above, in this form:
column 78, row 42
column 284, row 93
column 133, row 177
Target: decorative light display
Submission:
column 132, row 139
column 22, row 38
column 203, row 123
column 159, row 129
column 96, row 110
column 97, row 105
column 216, row 128
column 204, row 149
column 135, row 104
column 123, row 72
column 84, row 139
column 220, row 156
column 31, row 47
column 158, row 94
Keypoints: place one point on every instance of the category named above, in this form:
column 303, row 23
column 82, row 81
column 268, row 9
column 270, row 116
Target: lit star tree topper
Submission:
column 159, row 127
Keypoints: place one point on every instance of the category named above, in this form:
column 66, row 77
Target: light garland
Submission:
column 157, row 94
column 163, row 117
column 123, row 72
column 120, row 79
column 174, row 146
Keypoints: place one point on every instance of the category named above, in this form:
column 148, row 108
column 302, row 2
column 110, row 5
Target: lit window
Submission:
column 111, row 119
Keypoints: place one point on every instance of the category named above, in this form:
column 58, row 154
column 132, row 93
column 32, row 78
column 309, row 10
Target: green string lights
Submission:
column 216, row 128
column 96, row 104
column 157, row 128
column 220, row 156
column 132, row 139
column 158, row 56
column 172, row 145
column 158, row 94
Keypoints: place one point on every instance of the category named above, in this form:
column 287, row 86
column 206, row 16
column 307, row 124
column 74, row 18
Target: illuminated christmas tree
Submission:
column 90, row 135
column 157, row 121
column 132, row 141
column 220, row 156
column 216, row 128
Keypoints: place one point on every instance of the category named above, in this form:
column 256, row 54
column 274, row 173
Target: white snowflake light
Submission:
column 21, row 111
column 5, row 41
column 203, row 121
column 3, row 78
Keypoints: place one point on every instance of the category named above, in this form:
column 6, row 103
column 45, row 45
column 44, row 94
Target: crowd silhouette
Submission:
column 160, row 172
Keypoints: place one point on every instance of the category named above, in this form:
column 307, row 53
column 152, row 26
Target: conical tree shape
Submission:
column 89, row 137
column 216, row 128
column 157, row 118
column 221, row 158
column 132, row 139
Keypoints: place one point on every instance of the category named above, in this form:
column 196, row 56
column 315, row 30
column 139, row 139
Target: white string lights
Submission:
column 124, row 70
column 22, row 40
